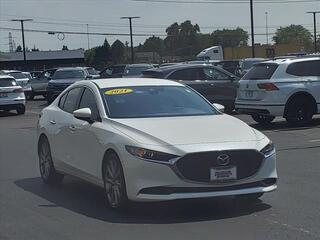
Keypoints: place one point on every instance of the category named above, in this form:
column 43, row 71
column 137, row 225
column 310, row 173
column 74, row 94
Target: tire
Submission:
column 299, row 111
column 114, row 182
column 47, row 171
column 30, row 96
column 262, row 119
column 21, row 110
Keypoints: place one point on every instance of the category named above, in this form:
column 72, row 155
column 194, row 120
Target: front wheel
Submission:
column 262, row 119
column 47, row 170
column 21, row 110
column 114, row 182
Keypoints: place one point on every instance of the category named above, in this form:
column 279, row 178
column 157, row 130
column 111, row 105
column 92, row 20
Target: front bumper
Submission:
column 147, row 181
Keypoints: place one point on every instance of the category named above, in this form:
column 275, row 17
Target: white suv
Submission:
column 289, row 88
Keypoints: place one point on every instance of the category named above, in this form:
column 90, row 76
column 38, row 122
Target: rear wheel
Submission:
column 47, row 170
column 299, row 111
column 21, row 110
column 114, row 182
column 262, row 119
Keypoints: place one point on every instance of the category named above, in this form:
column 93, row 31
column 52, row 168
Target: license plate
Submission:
column 248, row 94
column 3, row 95
column 223, row 173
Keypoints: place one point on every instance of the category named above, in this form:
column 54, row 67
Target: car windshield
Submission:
column 249, row 64
column 260, row 72
column 134, row 71
column 155, row 101
column 7, row 82
column 68, row 74
column 17, row 75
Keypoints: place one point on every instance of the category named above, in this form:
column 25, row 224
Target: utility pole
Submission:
column 88, row 36
column 267, row 29
column 130, row 23
column 252, row 29
column 23, row 41
column 315, row 29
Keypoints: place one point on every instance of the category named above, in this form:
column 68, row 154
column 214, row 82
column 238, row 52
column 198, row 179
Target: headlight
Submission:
column 268, row 150
column 151, row 155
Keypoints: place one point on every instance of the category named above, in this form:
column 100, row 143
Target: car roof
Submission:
column 291, row 60
column 70, row 68
column 139, row 65
column 5, row 77
column 130, row 82
column 166, row 69
column 10, row 71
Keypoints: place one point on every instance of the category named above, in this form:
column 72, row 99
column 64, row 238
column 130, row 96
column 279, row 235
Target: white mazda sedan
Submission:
column 152, row 140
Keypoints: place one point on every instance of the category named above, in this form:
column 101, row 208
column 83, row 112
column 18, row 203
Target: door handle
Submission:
column 53, row 122
column 72, row 128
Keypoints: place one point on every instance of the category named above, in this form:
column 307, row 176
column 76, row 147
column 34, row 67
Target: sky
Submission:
column 103, row 16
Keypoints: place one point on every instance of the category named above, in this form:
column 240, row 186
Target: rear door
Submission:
column 222, row 87
column 251, row 85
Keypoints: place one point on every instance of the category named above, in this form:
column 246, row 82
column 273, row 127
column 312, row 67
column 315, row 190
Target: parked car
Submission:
column 93, row 72
column 11, row 95
column 64, row 77
column 152, row 140
column 135, row 70
column 114, row 71
column 287, row 88
column 215, row 84
column 247, row 63
column 39, row 84
column 22, row 80
column 231, row 66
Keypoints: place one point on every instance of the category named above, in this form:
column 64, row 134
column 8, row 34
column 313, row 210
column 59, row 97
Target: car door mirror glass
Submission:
column 83, row 114
column 219, row 107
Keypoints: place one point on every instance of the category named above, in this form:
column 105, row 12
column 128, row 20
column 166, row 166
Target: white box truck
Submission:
column 211, row 53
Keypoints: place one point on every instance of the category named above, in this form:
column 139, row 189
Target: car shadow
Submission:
column 284, row 126
column 8, row 114
column 86, row 199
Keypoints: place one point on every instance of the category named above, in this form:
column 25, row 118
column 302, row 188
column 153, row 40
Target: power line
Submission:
column 227, row 1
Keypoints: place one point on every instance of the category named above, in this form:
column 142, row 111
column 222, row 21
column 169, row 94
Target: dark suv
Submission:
column 214, row 83
column 63, row 78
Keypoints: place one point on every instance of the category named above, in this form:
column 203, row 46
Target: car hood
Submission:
column 65, row 81
column 187, row 130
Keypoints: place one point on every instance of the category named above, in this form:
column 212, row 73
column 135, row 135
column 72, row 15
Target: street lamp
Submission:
column 314, row 28
column 267, row 30
column 252, row 29
column 23, row 42
column 130, row 22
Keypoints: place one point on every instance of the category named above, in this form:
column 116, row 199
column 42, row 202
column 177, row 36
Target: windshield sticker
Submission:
column 118, row 91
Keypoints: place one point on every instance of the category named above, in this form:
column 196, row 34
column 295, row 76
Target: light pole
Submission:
column 267, row 29
column 315, row 29
column 88, row 36
column 130, row 22
column 252, row 29
column 23, row 42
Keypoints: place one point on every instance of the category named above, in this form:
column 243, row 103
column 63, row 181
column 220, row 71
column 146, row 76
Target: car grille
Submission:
column 197, row 166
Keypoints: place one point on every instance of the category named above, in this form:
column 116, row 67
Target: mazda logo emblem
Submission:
column 223, row 159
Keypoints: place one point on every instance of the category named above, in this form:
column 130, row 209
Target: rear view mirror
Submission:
column 83, row 114
column 219, row 107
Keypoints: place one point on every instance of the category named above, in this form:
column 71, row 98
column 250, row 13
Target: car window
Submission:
column 7, row 82
column 187, row 74
column 17, row 75
column 261, row 72
column 69, row 74
column 62, row 100
column 214, row 74
column 307, row 68
column 72, row 99
column 89, row 101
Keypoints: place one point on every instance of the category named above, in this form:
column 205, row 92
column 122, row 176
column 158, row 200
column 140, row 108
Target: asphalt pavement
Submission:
column 76, row 210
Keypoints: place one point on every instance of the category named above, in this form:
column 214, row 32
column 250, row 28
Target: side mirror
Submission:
column 83, row 114
column 219, row 107
column 89, row 77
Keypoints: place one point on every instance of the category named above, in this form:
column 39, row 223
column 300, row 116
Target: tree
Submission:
column 19, row 48
column 172, row 40
column 65, row 48
column 117, row 51
column 34, row 49
column 230, row 37
column 154, row 44
column 293, row 34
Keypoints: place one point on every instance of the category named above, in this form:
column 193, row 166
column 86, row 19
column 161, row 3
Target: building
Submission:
column 40, row 60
